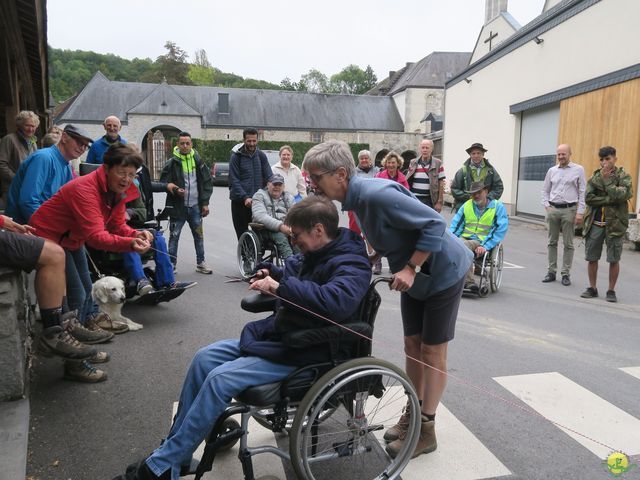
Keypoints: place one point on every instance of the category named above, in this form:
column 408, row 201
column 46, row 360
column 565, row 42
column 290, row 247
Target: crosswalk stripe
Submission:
column 635, row 371
column 571, row 405
column 455, row 441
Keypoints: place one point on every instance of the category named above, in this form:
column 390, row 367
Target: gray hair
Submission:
column 50, row 139
column 24, row 115
column 286, row 147
column 364, row 153
column 330, row 156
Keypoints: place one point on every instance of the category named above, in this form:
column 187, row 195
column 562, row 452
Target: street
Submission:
column 526, row 362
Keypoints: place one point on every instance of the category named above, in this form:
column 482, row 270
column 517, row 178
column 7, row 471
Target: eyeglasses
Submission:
column 80, row 143
column 315, row 177
column 124, row 175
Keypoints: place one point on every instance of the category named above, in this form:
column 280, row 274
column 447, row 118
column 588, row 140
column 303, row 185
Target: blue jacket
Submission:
column 331, row 282
column 98, row 147
column 39, row 177
column 396, row 224
column 247, row 174
column 498, row 230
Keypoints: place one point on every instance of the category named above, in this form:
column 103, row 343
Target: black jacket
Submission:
column 172, row 173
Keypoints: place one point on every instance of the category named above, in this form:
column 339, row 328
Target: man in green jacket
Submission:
column 606, row 219
column 475, row 169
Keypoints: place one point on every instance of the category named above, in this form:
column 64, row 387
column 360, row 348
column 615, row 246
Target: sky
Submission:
column 273, row 39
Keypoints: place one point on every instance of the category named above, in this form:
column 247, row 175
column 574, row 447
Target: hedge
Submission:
column 212, row 151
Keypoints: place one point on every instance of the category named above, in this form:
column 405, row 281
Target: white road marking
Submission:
column 573, row 406
column 511, row 265
column 635, row 371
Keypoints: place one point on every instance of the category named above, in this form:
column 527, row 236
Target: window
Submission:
column 317, row 137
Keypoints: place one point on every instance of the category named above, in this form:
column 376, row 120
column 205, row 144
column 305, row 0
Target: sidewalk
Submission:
column 14, row 439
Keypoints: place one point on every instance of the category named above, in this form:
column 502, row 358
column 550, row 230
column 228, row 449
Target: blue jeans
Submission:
column 195, row 224
column 164, row 271
column 79, row 284
column 217, row 373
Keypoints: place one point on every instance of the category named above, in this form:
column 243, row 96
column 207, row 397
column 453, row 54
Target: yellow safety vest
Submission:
column 480, row 227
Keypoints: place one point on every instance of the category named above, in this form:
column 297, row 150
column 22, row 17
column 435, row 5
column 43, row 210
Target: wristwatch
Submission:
column 415, row 268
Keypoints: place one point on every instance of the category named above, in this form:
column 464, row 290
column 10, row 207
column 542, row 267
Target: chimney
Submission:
column 493, row 8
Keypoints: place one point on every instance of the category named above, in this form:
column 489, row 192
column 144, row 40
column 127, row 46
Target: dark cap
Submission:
column 78, row 133
column 476, row 187
column 476, row 146
column 276, row 178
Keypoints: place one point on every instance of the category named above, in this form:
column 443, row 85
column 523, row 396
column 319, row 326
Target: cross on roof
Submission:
column 491, row 37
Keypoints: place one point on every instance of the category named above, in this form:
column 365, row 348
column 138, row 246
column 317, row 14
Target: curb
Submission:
column 14, row 439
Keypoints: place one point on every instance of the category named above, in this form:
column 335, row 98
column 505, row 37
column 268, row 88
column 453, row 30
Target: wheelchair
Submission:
column 110, row 263
column 254, row 248
column 335, row 413
column 489, row 268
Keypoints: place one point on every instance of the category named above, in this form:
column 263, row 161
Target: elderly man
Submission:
column 329, row 276
column 269, row 207
column 606, row 220
column 481, row 223
column 426, row 177
column 15, row 147
column 249, row 171
column 428, row 263
column 563, row 199
column 112, row 127
column 475, row 169
column 189, row 200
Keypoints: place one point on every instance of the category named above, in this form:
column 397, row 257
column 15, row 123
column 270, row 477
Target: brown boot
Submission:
column 401, row 427
column 426, row 443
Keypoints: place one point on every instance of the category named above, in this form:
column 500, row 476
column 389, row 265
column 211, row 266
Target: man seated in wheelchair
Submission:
column 139, row 213
column 269, row 206
column 481, row 224
column 329, row 276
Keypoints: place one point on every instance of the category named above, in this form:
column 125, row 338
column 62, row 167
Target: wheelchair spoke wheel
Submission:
column 248, row 253
column 366, row 396
column 495, row 271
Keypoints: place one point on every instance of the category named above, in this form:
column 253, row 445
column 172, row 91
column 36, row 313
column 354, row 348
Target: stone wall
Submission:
column 16, row 322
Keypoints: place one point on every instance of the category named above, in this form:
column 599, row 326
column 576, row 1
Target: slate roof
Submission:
column 433, row 71
column 274, row 109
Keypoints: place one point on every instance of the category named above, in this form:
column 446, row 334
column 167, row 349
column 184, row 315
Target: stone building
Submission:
column 150, row 112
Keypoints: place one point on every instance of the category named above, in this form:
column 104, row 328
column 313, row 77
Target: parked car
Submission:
column 220, row 170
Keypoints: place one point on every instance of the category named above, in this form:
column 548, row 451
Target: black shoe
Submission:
column 471, row 286
column 141, row 471
column 590, row 293
column 566, row 281
column 611, row 296
column 550, row 277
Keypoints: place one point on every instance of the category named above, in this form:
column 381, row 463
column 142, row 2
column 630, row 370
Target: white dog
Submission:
column 108, row 293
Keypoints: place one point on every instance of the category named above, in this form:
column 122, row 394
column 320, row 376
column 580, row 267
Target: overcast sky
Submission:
column 274, row 39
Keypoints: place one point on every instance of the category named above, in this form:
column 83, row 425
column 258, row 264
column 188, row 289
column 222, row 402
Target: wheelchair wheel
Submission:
column 264, row 417
column 248, row 253
column 276, row 257
column 367, row 396
column 229, row 425
column 483, row 284
column 495, row 270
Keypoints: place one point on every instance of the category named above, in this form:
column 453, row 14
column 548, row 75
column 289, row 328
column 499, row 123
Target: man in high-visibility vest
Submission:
column 480, row 223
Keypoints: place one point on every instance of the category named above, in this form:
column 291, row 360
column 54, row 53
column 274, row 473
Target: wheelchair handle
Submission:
column 376, row 281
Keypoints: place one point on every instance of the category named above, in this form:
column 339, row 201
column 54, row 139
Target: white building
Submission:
column 571, row 75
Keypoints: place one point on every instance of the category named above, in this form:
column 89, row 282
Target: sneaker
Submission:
column 183, row 285
column 611, row 296
column 144, row 287
column 549, row 277
column 57, row 341
column 85, row 335
column 566, row 281
column 426, row 443
column 590, row 293
column 83, row 371
column 204, row 268
column 401, row 427
column 104, row 321
column 100, row 357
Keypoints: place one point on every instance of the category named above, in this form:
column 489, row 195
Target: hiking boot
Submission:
column 57, row 341
column 85, row 335
column 401, row 427
column 590, row 292
column 183, row 285
column 105, row 322
column 426, row 443
column 611, row 296
column 100, row 357
column 204, row 268
column 83, row 371
column 144, row 287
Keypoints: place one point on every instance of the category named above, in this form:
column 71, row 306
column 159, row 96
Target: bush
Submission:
column 212, row 151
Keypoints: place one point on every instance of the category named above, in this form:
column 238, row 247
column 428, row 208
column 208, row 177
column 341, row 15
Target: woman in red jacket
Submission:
column 91, row 209
column 391, row 165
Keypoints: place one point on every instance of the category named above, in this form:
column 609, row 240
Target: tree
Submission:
column 201, row 58
column 352, row 79
column 173, row 65
column 200, row 75
column 315, row 81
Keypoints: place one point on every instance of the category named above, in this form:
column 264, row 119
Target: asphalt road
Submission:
column 532, row 345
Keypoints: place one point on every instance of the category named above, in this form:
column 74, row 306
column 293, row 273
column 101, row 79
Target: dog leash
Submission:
column 95, row 267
